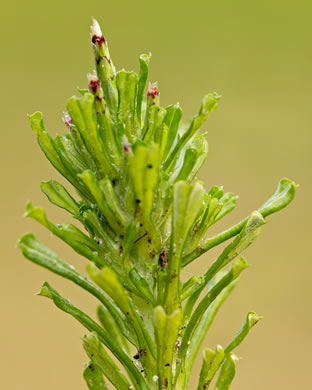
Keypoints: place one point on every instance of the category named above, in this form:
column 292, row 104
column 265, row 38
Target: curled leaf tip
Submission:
column 44, row 291
column 253, row 318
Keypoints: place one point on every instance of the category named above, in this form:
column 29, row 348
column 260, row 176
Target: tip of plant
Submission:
column 28, row 208
column 44, row 291
column 93, row 83
column 96, row 33
column 67, row 120
column 95, row 27
column 153, row 90
column 253, row 318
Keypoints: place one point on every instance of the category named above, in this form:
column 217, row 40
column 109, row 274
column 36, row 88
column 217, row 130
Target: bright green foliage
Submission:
column 144, row 217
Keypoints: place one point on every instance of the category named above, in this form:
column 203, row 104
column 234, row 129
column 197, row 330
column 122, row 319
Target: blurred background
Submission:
column 257, row 55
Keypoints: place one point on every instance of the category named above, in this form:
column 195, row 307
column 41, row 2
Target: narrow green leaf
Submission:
column 109, row 324
column 281, row 198
column 251, row 320
column 108, row 281
column 166, row 330
column 208, row 358
column 113, row 201
column 71, row 158
column 144, row 61
column 58, row 195
column 191, row 286
column 141, row 285
column 45, row 142
column 172, row 120
column 81, row 110
column 39, row 254
column 145, row 174
column 93, row 186
column 154, row 125
column 187, row 201
column 101, row 231
column 70, row 234
column 94, row 377
column 86, row 321
column 212, row 366
column 131, row 233
column 209, row 104
column 237, row 267
column 203, row 326
column 100, row 357
column 127, row 85
column 227, row 373
column 228, row 202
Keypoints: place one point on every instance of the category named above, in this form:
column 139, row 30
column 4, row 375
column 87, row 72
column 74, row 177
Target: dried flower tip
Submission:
column 153, row 90
column 94, row 84
column 67, row 120
column 96, row 33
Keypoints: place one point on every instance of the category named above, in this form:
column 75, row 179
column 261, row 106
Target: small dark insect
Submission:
column 163, row 257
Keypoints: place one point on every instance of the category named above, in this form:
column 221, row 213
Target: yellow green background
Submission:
column 258, row 56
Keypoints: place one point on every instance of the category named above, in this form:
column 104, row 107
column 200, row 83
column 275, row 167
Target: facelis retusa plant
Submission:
column 145, row 216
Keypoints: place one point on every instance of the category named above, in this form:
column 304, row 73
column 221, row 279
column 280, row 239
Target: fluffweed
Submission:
column 133, row 165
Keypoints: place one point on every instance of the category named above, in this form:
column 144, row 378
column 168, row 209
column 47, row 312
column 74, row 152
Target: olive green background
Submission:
column 258, row 56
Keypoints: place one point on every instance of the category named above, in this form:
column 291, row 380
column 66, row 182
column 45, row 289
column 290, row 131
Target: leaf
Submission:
column 93, row 186
column 246, row 237
column 94, row 377
column 99, row 356
column 39, row 254
column 203, row 326
column 211, row 364
column 191, row 286
column 209, row 104
column 187, row 201
column 127, row 85
column 45, row 142
column 208, row 358
column 85, row 320
column 58, row 195
column 113, row 201
column 81, row 111
column 131, row 233
column 111, row 326
column 228, row 202
column 71, row 158
column 166, row 330
column 283, row 195
column 145, row 174
column 251, row 320
column 172, row 120
column 70, row 234
column 237, row 267
column 108, row 281
column 144, row 61
column 141, row 285
column 227, row 373
column 281, row 198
